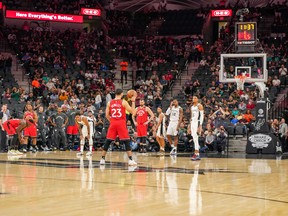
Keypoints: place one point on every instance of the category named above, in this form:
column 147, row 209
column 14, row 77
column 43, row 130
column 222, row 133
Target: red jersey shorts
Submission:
column 9, row 130
column 118, row 128
column 72, row 129
column 30, row 131
column 141, row 130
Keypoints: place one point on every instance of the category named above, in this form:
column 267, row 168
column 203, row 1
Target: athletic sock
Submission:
column 81, row 148
column 90, row 148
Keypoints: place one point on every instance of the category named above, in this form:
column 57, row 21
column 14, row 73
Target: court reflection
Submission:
column 195, row 195
column 87, row 175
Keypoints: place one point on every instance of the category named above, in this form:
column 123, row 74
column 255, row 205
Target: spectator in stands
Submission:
column 276, row 82
column 235, row 111
column 63, row 96
column 225, row 112
column 159, row 86
column 36, row 86
column 139, row 82
column 149, row 81
column 244, row 96
column 140, row 95
column 242, row 106
column 275, row 126
column 218, row 120
column 80, row 84
column 283, row 134
column 150, row 98
column 218, row 93
column 189, row 101
column 98, row 100
column 154, row 76
column 269, row 82
column 168, row 76
column 209, row 105
column 214, row 103
column 163, row 81
column 209, row 125
column 209, row 142
column 209, row 93
column 250, row 105
column 282, row 70
column 221, row 140
column 213, row 85
column 124, row 70
column 158, row 100
column 15, row 93
column 7, row 94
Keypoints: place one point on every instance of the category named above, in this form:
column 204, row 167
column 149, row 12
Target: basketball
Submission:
column 131, row 93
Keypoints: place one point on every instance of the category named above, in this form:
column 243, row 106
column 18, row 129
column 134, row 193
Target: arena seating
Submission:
column 66, row 57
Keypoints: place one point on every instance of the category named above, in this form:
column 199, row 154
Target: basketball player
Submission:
column 141, row 123
column 161, row 130
column 86, row 131
column 197, row 118
column 175, row 113
column 116, row 115
column 31, row 130
column 72, row 128
column 14, row 128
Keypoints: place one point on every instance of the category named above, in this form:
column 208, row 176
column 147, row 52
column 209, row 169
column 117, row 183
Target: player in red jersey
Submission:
column 116, row 115
column 30, row 131
column 14, row 128
column 141, row 123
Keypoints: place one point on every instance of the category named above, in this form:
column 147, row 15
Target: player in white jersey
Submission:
column 161, row 130
column 85, row 131
column 175, row 113
column 197, row 118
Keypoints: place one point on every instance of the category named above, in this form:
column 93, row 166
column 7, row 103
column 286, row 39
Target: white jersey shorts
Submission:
column 172, row 128
column 85, row 131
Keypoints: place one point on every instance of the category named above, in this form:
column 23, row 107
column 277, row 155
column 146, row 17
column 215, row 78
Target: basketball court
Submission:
column 59, row 183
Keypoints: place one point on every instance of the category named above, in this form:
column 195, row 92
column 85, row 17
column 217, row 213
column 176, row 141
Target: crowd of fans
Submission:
column 73, row 70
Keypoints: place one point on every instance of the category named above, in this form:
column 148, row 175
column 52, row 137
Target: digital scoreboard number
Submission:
column 246, row 33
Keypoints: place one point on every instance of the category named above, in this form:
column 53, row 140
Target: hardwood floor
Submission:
column 59, row 183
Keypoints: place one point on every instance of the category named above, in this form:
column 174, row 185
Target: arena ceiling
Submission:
column 138, row 5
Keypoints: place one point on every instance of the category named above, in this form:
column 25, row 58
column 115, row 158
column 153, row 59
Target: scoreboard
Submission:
column 246, row 33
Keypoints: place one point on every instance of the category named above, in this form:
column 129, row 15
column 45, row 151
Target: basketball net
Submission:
column 240, row 80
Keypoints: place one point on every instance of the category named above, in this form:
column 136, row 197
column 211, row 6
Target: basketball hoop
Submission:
column 240, row 80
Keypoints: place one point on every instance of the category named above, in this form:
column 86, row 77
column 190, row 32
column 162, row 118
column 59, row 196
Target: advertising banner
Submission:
column 43, row 16
column 91, row 12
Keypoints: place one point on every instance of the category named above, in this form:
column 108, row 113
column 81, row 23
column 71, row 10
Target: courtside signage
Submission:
column 43, row 16
column 90, row 12
column 221, row 13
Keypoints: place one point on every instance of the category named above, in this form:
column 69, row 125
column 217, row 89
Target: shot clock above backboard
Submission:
column 246, row 33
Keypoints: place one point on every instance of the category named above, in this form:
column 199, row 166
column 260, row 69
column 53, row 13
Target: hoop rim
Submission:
column 241, row 77
column 240, row 80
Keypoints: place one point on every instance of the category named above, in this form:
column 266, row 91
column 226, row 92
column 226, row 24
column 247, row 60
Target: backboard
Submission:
column 252, row 65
